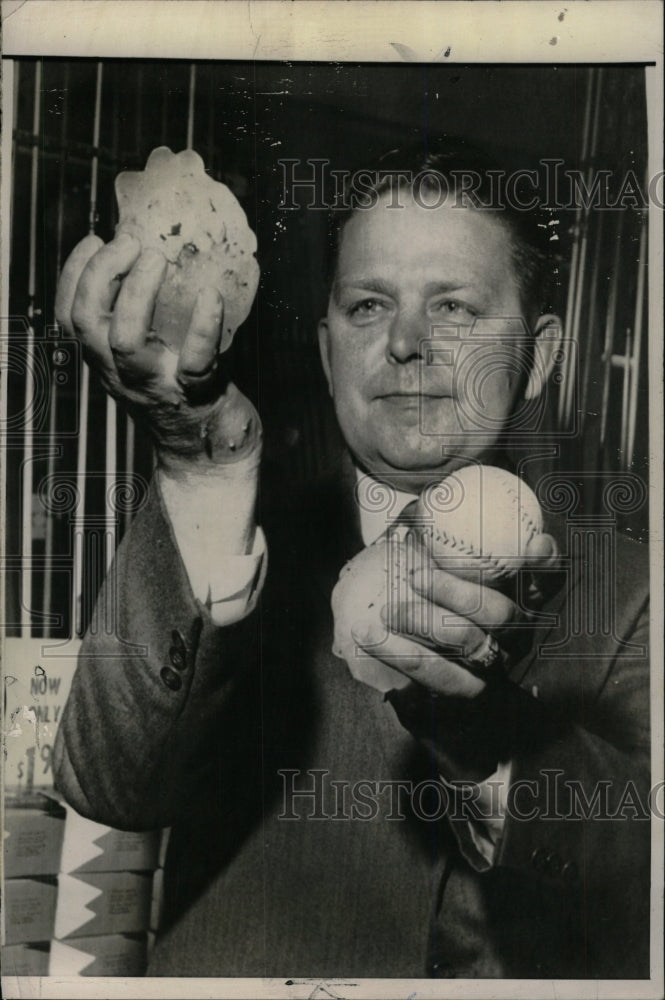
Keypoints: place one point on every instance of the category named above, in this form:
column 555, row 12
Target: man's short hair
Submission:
column 476, row 181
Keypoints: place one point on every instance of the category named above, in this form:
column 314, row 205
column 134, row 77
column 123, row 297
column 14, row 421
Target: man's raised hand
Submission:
column 106, row 298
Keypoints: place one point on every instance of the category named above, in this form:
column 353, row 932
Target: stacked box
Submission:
column 33, row 836
column 93, row 847
column 29, row 905
column 94, row 903
column 34, row 833
column 105, row 955
column 26, row 959
column 78, row 895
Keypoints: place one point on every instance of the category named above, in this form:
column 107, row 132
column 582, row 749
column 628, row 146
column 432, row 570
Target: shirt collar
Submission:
column 376, row 517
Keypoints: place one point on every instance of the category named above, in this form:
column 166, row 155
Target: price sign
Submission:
column 37, row 677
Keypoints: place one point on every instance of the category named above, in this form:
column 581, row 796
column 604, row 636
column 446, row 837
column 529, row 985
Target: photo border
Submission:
column 575, row 31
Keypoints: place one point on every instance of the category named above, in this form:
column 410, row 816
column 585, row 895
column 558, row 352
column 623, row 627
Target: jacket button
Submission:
column 540, row 859
column 177, row 658
column 569, row 873
column 170, row 678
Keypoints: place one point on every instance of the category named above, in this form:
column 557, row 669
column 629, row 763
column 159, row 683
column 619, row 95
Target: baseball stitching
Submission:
column 489, row 562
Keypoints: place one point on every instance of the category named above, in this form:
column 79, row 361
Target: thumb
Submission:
column 542, row 555
column 542, row 552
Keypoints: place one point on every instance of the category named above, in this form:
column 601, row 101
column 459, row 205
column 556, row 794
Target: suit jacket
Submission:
column 173, row 722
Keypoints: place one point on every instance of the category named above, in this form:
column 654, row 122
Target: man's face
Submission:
column 423, row 345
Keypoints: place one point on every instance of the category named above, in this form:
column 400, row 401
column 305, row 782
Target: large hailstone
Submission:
column 174, row 207
column 375, row 577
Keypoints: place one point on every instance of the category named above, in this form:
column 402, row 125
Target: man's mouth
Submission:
column 415, row 396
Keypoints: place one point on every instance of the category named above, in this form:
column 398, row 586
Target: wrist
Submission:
column 202, row 441
column 469, row 736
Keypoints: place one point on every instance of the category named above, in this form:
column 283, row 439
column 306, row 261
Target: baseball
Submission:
column 480, row 518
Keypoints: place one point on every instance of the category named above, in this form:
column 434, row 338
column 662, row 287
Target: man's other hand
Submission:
column 439, row 636
column 452, row 638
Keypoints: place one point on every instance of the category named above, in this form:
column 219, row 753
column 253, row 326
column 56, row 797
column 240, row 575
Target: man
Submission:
column 308, row 831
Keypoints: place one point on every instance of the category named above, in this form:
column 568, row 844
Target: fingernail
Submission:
column 125, row 239
column 360, row 632
column 541, row 547
column 364, row 634
column 211, row 292
column 210, row 299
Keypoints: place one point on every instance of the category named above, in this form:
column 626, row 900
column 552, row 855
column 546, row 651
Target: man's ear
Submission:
column 324, row 350
column 547, row 332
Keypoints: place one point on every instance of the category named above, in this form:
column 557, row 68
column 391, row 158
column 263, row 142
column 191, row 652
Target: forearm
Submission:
column 131, row 744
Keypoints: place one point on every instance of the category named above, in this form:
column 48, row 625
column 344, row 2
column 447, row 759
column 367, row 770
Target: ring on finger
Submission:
column 486, row 655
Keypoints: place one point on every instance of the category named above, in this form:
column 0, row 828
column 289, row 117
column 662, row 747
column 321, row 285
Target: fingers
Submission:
column 96, row 291
column 132, row 315
column 69, row 279
column 449, row 633
column 416, row 662
column 543, row 558
column 199, row 351
column 487, row 607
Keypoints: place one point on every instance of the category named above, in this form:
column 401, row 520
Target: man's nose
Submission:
column 405, row 338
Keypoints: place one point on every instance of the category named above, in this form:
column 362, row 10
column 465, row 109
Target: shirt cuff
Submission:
column 479, row 815
column 227, row 582
column 486, row 833
column 236, row 582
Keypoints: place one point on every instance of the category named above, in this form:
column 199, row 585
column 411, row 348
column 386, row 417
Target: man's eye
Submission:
column 455, row 311
column 451, row 307
column 365, row 308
